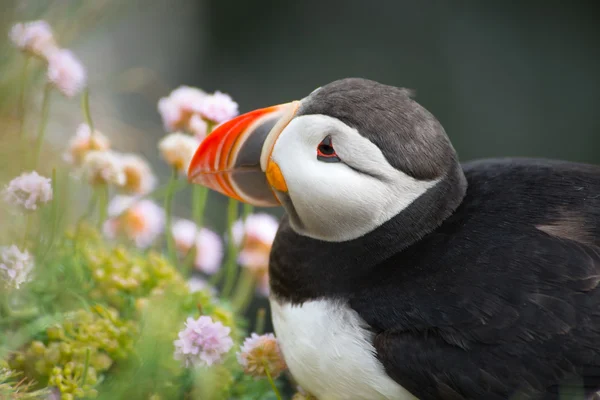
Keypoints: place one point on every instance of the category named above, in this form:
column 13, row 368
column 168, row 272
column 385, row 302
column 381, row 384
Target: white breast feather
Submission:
column 330, row 353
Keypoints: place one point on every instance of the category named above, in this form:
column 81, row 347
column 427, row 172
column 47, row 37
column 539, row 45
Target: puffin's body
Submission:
column 399, row 273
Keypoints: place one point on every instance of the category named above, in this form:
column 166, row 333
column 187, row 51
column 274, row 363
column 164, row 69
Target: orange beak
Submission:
column 235, row 159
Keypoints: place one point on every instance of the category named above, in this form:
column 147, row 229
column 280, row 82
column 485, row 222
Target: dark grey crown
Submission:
column 410, row 137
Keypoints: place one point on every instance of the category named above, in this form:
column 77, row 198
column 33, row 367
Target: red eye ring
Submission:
column 326, row 152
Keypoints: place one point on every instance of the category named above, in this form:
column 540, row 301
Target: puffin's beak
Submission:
column 235, row 159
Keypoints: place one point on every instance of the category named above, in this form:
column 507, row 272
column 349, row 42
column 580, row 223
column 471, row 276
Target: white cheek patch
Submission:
column 340, row 201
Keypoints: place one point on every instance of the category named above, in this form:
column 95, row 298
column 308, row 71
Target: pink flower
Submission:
column 84, row 142
column 138, row 220
column 66, row 72
column 15, row 266
column 178, row 108
column 209, row 248
column 202, row 342
column 33, row 37
column 209, row 251
column 28, row 191
column 259, row 353
column 184, row 234
column 219, row 107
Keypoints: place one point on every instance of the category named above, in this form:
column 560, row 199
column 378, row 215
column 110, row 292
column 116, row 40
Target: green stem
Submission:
column 271, row 381
column 243, row 292
column 102, row 204
column 259, row 326
column 43, row 124
column 230, row 266
column 22, row 97
column 85, row 105
column 247, row 210
column 168, row 217
column 199, row 196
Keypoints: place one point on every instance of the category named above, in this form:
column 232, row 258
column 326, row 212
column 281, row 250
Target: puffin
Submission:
column 399, row 272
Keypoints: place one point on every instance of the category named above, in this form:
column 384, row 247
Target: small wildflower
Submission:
column 184, row 234
column 28, row 191
column 202, row 342
column 66, row 72
column 15, row 266
column 84, row 142
column 139, row 178
column 260, row 352
column 34, row 37
column 104, row 167
column 178, row 149
column 179, row 107
column 219, row 107
column 196, row 284
column 138, row 220
column 209, row 251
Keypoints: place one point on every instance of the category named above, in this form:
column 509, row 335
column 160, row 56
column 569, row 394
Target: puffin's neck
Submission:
column 302, row 268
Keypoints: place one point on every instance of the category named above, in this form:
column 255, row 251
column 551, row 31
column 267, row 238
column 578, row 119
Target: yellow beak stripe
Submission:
column 275, row 177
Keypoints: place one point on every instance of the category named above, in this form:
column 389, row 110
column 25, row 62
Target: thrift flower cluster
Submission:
column 260, row 353
column 192, row 110
column 140, row 221
column 16, row 266
column 65, row 71
column 28, row 191
column 202, row 342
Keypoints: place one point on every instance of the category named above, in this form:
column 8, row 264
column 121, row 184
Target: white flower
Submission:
column 139, row 178
column 66, row 72
column 15, row 266
column 28, row 191
column 104, row 167
column 178, row 149
column 34, row 37
column 219, row 107
column 178, row 108
column 141, row 221
column 202, row 342
column 84, row 142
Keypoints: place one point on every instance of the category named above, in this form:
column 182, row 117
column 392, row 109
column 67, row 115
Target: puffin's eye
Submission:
column 326, row 152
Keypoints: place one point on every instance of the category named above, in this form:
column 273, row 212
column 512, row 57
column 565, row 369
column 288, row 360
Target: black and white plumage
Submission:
column 400, row 273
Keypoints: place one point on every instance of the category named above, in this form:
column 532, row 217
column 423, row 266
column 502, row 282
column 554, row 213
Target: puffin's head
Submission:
column 341, row 161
